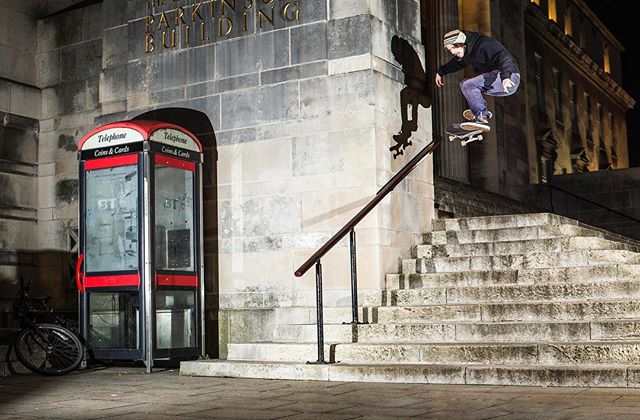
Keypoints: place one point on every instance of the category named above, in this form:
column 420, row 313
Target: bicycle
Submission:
column 48, row 348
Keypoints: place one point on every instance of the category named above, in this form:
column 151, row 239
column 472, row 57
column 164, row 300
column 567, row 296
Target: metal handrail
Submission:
column 349, row 228
column 553, row 187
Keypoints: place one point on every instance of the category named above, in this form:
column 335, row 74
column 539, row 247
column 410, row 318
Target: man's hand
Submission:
column 507, row 84
column 439, row 81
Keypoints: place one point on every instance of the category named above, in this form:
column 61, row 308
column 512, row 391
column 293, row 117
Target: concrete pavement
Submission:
column 128, row 393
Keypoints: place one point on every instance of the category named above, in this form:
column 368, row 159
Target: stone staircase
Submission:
column 535, row 299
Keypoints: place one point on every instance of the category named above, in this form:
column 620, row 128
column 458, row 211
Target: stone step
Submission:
column 463, row 278
column 615, row 375
column 507, row 300
column 509, row 312
column 616, row 330
column 526, row 293
column 543, row 292
column 548, row 331
column 517, row 262
column 522, row 247
column 508, row 234
column 607, row 352
column 497, row 332
column 489, row 353
column 501, row 221
column 468, row 332
column 573, row 275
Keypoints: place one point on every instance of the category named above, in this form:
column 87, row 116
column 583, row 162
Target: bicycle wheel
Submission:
column 49, row 349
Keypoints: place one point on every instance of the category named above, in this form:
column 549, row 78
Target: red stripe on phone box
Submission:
column 175, row 163
column 111, row 162
column 112, row 281
column 176, row 280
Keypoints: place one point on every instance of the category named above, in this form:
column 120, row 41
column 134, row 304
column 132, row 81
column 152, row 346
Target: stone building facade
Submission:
column 569, row 113
column 303, row 97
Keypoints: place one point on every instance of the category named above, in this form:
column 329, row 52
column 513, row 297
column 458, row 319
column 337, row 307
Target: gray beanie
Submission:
column 454, row 37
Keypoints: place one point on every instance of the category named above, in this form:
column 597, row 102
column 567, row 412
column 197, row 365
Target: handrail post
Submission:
column 354, row 278
column 315, row 258
column 319, row 313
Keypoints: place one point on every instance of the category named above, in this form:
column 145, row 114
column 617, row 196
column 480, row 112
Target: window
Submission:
column 557, row 94
column 540, row 82
column 115, row 320
column 603, row 158
column 606, row 60
column 614, row 154
column 553, row 12
column 174, row 219
column 588, row 112
column 600, row 109
column 573, row 104
column 612, row 122
column 111, row 219
column 568, row 23
column 175, row 319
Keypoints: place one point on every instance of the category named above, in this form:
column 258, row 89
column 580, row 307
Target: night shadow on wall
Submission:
column 413, row 94
column 45, row 273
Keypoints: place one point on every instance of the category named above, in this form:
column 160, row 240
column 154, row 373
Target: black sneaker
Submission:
column 468, row 115
column 480, row 123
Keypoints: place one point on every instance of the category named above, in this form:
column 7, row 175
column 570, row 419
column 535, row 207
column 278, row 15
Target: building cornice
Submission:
column 553, row 35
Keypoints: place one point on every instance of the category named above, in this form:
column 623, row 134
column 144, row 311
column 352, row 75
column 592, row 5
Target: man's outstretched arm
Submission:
column 452, row 66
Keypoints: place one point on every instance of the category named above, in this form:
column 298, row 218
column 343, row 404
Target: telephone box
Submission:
column 140, row 267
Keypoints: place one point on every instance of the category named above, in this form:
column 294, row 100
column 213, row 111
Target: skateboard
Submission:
column 455, row 132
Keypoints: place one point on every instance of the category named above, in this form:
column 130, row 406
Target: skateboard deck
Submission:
column 455, row 132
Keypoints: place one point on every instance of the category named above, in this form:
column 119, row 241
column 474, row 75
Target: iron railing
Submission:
column 349, row 228
column 593, row 203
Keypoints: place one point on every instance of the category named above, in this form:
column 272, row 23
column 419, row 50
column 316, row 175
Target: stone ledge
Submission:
column 561, row 376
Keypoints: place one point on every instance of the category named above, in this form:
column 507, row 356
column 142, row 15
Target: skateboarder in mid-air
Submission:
column 499, row 73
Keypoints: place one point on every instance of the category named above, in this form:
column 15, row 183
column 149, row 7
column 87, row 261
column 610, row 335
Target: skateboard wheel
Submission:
column 479, row 137
column 451, row 138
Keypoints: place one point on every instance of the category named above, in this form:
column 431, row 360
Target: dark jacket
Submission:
column 485, row 54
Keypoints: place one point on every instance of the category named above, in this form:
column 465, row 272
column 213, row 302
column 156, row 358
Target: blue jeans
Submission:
column 487, row 84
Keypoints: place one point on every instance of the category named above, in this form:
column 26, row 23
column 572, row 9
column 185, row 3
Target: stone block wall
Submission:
column 19, row 112
column 18, row 205
column 68, row 56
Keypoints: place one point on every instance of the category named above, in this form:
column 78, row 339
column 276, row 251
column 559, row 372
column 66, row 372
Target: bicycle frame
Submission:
column 60, row 349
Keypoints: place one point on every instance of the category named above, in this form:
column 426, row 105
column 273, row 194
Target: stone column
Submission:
column 451, row 160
